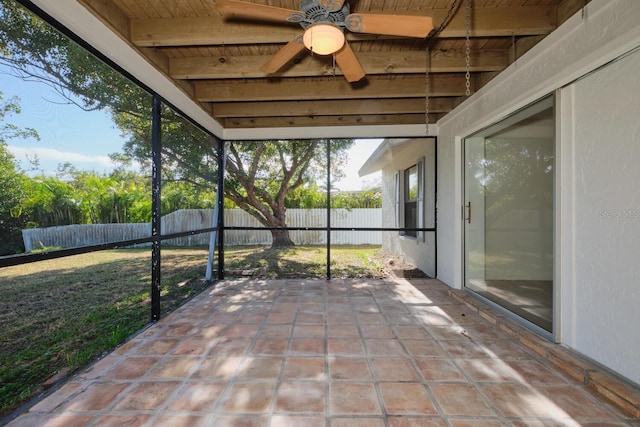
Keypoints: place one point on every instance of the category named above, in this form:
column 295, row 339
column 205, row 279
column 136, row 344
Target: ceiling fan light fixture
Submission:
column 323, row 39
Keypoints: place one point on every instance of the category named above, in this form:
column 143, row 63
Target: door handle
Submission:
column 468, row 216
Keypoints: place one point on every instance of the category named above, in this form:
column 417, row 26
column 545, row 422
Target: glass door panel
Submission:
column 508, row 212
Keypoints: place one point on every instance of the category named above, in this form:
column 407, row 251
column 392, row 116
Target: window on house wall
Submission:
column 411, row 200
column 409, row 193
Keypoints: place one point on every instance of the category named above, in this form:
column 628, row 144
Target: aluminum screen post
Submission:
column 328, row 209
column 156, row 226
column 222, row 164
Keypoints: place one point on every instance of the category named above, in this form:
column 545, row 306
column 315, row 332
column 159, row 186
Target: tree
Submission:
column 260, row 174
column 263, row 173
column 12, row 217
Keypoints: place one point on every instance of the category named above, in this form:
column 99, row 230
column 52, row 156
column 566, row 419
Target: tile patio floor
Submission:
column 313, row 353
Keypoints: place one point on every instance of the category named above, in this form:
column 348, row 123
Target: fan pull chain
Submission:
column 467, row 50
column 427, row 88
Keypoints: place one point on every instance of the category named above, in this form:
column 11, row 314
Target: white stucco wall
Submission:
column 419, row 252
column 600, row 284
column 598, row 153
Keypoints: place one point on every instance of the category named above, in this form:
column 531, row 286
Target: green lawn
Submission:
column 68, row 311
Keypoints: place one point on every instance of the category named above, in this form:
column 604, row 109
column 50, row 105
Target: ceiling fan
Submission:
column 324, row 22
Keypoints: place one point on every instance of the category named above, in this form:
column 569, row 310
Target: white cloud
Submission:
column 49, row 158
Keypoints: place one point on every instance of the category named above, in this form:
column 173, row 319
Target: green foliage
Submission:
column 313, row 197
column 12, row 217
column 92, row 198
column 52, row 202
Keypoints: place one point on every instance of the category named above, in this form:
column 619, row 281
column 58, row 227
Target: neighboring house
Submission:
column 537, row 189
column 408, row 198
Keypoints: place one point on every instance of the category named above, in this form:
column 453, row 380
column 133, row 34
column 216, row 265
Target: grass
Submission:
column 66, row 312
column 363, row 261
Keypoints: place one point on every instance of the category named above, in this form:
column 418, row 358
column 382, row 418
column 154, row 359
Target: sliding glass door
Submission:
column 508, row 213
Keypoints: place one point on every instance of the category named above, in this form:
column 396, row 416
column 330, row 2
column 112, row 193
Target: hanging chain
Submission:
column 455, row 4
column 467, row 49
column 427, row 88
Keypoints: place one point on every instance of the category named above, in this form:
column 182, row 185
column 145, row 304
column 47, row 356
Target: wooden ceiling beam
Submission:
column 394, row 62
column 378, row 119
column 335, row 88
column 216, row 30
column 342, row 107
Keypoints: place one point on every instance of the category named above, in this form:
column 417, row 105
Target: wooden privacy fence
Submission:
column 70, row 236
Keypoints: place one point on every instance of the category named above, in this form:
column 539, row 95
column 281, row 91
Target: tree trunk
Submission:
column 281, row 239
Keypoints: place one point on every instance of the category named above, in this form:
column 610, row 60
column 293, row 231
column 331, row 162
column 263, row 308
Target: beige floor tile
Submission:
column 132, row 367
column 354, row 399
column 439, row 370
column 384, row 347
column 281, row 318
column 377, row 331
column 304, row 368
column 193, row 346
column 424, row 348
column 343, row 331
column 156, row 347
column 483, row 422
column 270, row 346
column 197, row 397
column 96, row 397
column 412, row 333
column 259, row 368
column 301, row 397
column 351, row 369
column 406, row 399
column 230, row 347
column 239, row 421
column 306, row 347
column 276, row 330
column 293, row 420
column 173, row 367
column 394, row 369
column 308, row 331
column 346, row 346
column 180, row 420
column 416, row 422
column 147, row 396
column 217, row 368
column 461, row 399
column 357, row 422
column 249, row 397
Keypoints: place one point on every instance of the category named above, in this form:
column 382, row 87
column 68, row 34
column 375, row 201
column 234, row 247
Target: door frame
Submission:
column 554, row 334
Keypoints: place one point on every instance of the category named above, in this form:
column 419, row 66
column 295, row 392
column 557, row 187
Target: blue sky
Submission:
column 85, row 139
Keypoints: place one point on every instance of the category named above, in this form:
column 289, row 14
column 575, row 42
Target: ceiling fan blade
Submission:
column 349, row 64
column 255, row 10
column 284, row 55
column 332, row 5
column 392, row 25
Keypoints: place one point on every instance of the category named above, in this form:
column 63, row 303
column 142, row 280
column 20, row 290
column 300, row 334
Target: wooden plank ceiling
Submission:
column 217, row 61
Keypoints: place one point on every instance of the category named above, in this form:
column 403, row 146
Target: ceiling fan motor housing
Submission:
column 315, row 13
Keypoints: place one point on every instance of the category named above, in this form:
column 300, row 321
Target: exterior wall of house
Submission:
column 597, row 193
column 419, row 252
